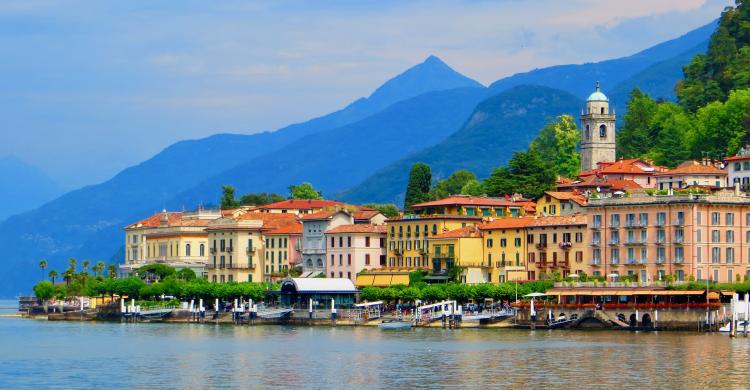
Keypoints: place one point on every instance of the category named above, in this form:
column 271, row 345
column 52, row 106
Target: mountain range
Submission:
column 362, row 152
column 23, row 187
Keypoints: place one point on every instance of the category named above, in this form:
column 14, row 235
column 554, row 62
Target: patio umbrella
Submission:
column 535, row 295
column 574, row 276
column 613, row 275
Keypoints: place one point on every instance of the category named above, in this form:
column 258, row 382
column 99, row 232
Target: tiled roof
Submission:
column 270, row 220
column 562, row 220
column 630, row 166
column 324, row 214
column 365, row 214
column 738, row 157
column 623, row 184
column 595, row 181
column 155, row 220
column 507, row 223
column 693, row 168
column 464, row 232
column 358, row 228
column 411, row 218
column 572, row 196
column 465, row 200
column 302, row 204
column 295, row 228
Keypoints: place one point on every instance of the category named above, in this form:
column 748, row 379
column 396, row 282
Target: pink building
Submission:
column 289, row 240
column 639, row 171
column 687, row 236
column 353, row 248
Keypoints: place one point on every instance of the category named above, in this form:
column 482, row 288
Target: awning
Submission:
column 382, row 281
column 713, row 295
column 727, row 293
column 400, row 279
column 364, row 280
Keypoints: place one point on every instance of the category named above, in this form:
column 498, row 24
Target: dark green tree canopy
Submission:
column 418, row 188
column 228, row 200
column 304, row 191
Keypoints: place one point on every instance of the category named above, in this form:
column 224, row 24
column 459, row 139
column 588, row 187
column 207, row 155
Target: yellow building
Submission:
column 459, row 248
column 556, row 245
column 473, row 206
column 177, row 239
column 555, row 203
column 407, row 237
column 240, row 249
column 504, row 245
column 300, row 206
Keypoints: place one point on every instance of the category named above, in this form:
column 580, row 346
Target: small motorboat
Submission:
column 394, row 324
column 741, row 325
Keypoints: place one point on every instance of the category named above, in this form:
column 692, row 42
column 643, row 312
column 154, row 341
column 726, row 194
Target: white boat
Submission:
column 741, row 325
column 394, row 324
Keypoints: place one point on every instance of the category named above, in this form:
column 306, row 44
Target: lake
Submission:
column 41, row 354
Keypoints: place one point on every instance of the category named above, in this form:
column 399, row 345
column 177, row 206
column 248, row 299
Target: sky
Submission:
column 88, row 88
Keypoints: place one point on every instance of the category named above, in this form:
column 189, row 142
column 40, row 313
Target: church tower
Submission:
column 597, row 131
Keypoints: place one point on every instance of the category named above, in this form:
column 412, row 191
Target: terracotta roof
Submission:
column 693, row 168
column 739, row 157
column 464, row 232
column 507, row 223
column 155, row 220
column 623, row 184
column 630, row 166
column 270, row 220
column 358, row 228
column 434, row 217
column 295, row 228
column 325, row 214
column 301, row 204
column 562, row 220
column 365, row 214
column 572, row 196
column 595, row 181
column 466, row 200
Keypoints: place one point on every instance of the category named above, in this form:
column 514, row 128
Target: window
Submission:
column 517, row 242
column 730, row 236
column 349, row 241
column 341, row 259
column 631, row 256
column 503, row 242
column 715, row 236
column 579, row 237
column 332, row 260
column 680, row 218
column 489, row 243
column 699, row 255
column 615, row 220
column 333, row 242
column 661, row 218
column 603, row 129
column 367, row 259
column 596, row 237
column 660, row 255
column 679, row 254
column 730, row 256
column 597, row 221
column 644, row 236
column 644, row 255
column 566, row 237
column 530, row 238
column 588, row 132
column 679, row 235
column 715, row 255
column 643, row 219
column 579, row 256
column 367, row 241
column 615, row 256
column 737, row 167
column 698, row 235
column 596, row 256
column 729, row 219
column 341, row 242
column 614, row 237
column 629, row 220
column 202, row 250
column 729, row 276
column 715, row 218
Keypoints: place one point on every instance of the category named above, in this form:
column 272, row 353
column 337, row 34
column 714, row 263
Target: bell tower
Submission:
column 597, row 131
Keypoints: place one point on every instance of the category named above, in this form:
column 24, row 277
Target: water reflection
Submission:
column 104, row 355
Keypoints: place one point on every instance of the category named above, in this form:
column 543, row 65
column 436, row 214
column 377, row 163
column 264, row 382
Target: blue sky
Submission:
column 91, row 87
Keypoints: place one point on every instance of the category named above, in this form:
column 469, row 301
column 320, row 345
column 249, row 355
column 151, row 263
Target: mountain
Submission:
column 499, row 125
column 657, row 80
column 579, row 79
column 23, row 187
column 88, row 222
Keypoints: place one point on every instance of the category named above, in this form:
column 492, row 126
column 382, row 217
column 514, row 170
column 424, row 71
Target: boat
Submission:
column 741, row 325
column 394, row 324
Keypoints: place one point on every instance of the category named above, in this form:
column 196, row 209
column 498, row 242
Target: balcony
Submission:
column 678, row 261
column 614, row 262
column 212, row 251
column 679, row 240
column 614, row 242
column 595, row 242
column 596, row 263
column 565, row 245
column 541, row 245
column 252, row 250
column 232, row 266
column 541, row 264
column 631, row 262
column 659, row 261
column 229, row 249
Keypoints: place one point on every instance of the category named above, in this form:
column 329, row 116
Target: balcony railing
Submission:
column 595, row 242
column 212, row 250
column 541, row 245
column 250, row 249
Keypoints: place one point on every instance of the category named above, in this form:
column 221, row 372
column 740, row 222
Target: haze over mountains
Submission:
column 428, row 113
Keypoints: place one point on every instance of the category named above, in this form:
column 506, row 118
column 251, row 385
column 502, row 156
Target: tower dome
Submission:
column 597, row 96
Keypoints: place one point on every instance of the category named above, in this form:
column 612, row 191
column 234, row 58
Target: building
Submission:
column 693, row 174
column 598, row 131
column 241, row 251
column 300, row 206
column 353, row 248
column 407, row 237
column 687, row 236
column 555, row 203
column 473, row 206
column 287, row 241
column 556, row 245
column 459, row 248
column 299, row 292
column 315, row 226
column 738, row 167
column 596, row 184
column 640, row 171
column 176, row 239
column 505, row 248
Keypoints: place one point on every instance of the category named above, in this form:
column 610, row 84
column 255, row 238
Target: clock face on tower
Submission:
column 598, row 135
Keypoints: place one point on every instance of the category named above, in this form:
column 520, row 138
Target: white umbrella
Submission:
column 613, row 275
column 535, row 295
column 574, row 276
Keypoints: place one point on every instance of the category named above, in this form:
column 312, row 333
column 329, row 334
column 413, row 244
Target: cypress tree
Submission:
column 420, row 179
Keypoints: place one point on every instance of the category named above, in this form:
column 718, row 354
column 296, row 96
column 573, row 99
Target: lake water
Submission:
column 41, row 354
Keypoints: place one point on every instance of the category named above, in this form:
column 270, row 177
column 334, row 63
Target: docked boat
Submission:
column 394, row 324
column 741, row 325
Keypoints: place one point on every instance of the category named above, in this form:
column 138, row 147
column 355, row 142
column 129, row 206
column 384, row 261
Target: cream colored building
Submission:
column 598, row 131
column 692, row 173
column 241, row 251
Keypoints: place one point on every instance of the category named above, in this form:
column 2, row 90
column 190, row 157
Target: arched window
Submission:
column 587, row 135
column 602, row 110
column 309, row 263
column 203, row 250
column 187, row 250
column 603, row 131
column 320, row 263
column 737, row 167
column 746, row 166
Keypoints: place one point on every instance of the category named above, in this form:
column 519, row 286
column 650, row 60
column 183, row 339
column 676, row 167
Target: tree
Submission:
column 44, row 290
column 526, row 173
column 418, row 188
column 53, row 275
column 98, row 268
column 557, row 142
column 72, row 265
column 472, row 187
column 634, row 138
column 43, row 266
column 389, row 210
column 85, row 265
column 260, row 199
column 672, row 129
column 227, row 198
column 452, row 185
column 304, row 191
column 112, row 270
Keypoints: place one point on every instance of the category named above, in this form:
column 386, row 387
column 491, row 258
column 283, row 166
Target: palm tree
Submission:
column 112, row 271
column 72, row 264
column 68, row 275
column 43, row 266
column 98, row 268
column 86, row 264
column 53, row 275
